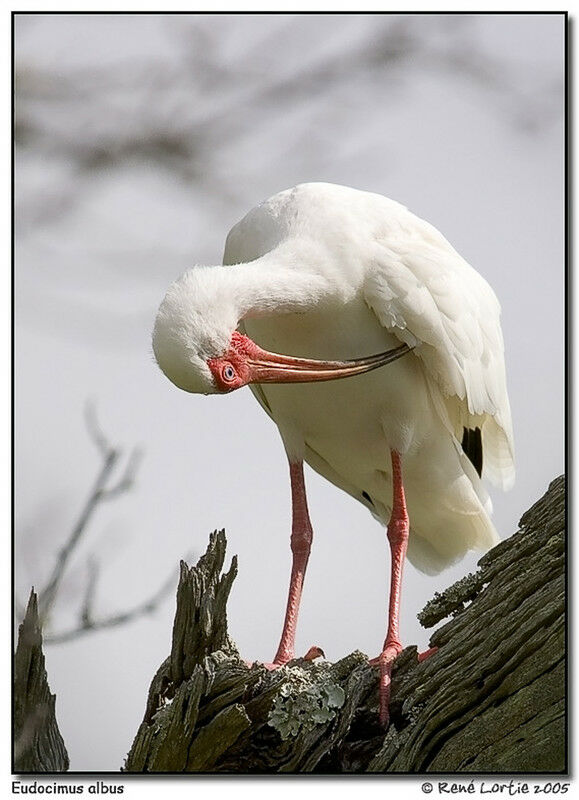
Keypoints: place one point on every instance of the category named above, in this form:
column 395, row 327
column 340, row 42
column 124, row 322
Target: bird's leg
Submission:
column 398, row 529
column 301, row 542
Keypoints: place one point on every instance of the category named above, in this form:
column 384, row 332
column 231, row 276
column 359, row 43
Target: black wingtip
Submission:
column 472, row 446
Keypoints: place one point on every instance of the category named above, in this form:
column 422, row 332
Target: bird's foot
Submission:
column 426, row 654
column 385, row 661
column 374, row 662
column 313, row 653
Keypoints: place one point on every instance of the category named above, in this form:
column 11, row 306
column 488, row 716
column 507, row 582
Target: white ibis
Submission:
column 392, row 380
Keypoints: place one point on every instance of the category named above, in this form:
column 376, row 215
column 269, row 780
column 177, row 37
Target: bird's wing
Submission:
column 429, row 297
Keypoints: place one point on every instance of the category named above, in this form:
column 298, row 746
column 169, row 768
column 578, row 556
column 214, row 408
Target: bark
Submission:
column 491, row 699
column 38, row 745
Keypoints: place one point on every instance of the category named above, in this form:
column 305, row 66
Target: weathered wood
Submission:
column 38, row 745
column 492, row 698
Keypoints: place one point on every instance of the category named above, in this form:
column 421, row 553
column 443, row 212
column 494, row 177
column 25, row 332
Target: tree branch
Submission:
column 491, row 699
column 38, row 745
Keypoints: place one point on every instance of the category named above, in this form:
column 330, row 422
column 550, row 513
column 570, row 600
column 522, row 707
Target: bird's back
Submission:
column 325, row 212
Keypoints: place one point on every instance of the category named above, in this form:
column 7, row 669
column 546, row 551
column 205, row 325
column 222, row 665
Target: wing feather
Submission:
column 424, row 292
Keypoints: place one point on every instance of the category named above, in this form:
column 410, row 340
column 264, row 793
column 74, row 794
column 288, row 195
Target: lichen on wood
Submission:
column 492, row 698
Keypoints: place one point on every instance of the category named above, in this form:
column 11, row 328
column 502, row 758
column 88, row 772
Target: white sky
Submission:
column 88, row 282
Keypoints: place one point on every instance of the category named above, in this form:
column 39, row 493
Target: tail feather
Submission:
column 450, row 514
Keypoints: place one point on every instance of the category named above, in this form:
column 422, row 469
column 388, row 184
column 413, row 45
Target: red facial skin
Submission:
column 235, row 359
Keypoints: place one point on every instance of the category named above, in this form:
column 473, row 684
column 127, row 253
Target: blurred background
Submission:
column 139, row 141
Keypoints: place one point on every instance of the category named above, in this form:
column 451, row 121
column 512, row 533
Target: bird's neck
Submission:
column 285, row 280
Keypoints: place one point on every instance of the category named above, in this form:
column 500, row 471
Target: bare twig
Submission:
column 87, row 623
column 103, row 489
column 127, row 480
column 94, row 430
column 100, row 491
column 93, row 570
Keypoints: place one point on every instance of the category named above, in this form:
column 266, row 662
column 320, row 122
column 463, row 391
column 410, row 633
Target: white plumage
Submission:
column 321, row 282
column 370, row 273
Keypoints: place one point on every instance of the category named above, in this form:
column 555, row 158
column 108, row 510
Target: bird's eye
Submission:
column 228, row 373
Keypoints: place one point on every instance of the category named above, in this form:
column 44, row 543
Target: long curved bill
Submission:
column 266, row 367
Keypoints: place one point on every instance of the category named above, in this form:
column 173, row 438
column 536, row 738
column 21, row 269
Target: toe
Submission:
column 314, row 652
column 426, row 654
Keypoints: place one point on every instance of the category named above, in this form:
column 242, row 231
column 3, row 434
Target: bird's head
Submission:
column 194, row 326
column 198, row 347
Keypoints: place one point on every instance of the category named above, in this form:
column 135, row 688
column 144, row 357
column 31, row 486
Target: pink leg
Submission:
column 301, row 542
column 427, row 653
column 398, row 529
